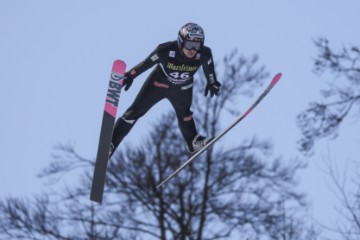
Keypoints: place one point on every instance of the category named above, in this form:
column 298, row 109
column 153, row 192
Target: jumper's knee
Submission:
column 187, row 118
column 129, row 121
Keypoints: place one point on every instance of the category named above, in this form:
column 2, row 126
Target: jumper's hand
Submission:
column 128, row 80
column 214, row 88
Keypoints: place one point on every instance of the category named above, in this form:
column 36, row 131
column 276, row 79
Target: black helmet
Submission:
column 191, row 36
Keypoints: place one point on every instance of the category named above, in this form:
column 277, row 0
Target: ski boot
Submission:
column 199, row 142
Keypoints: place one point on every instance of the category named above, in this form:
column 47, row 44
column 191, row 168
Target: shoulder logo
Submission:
column 172, row 54
column 154, row 57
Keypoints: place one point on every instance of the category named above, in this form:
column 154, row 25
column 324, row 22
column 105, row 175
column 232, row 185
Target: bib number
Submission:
column 179, row 75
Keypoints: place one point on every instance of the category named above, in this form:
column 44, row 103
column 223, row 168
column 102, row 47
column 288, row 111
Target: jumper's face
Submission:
column 189, row 53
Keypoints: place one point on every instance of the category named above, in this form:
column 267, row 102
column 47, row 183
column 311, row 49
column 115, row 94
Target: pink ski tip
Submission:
column 276, row 78
column 119, row 67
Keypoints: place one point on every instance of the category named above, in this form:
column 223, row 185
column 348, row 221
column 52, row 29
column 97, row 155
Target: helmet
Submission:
column 191, row 36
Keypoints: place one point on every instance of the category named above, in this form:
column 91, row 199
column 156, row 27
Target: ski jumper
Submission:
column 172, row 78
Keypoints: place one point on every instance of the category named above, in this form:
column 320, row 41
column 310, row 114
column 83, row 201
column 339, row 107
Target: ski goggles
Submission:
column 189, row 45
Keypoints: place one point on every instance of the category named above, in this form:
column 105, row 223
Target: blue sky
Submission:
column 56, row 57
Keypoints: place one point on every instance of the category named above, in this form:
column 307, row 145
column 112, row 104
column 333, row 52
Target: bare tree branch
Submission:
column 322, row 120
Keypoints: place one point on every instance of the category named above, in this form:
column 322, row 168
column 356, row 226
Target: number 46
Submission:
column 180, row 75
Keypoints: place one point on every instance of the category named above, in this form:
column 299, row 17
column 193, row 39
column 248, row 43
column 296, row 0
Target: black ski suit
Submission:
column 172, row 79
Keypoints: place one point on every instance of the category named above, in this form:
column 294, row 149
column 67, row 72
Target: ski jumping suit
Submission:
column 172, row 79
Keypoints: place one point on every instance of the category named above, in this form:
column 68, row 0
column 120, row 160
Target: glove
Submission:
column 128, row 80
column 214, row 88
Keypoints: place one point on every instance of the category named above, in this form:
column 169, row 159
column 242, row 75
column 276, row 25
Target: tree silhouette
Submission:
column 322, row 119
column 346, row 188
column 225, row 193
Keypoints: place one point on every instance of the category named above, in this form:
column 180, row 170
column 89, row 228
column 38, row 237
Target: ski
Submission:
column 111, row 105
column 275, row 79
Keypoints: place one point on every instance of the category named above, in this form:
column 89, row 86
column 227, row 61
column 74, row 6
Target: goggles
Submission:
column 189, row 45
